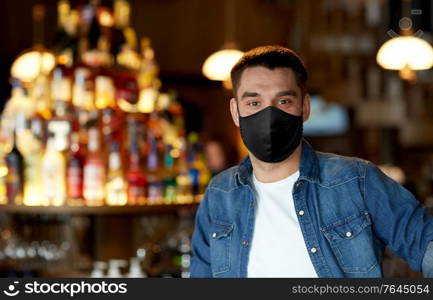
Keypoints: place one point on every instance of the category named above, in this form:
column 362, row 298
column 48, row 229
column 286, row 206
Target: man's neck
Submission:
column 271, row 172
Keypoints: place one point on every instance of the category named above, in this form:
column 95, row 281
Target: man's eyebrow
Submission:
column 249, row 94
column 287, row 93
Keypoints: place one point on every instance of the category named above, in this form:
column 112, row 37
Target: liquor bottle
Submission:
column 170, row 185
column 155, row 192
column 33, row 183
column 205, row 174
column 122, row 12
column 61, row 82
column 148, row 81
column 41, row 96
column 105, row 100
column 23, row 118
column 183, row 179
column 137, row 182
column 127, row 91
column 124, row 37
column 91, row 34
column 15, row 176
column 149, row 69
column 194, row 171
column 116, row 185
column 38, row 130
column 104, row 81
column 198, row 171
column 127, row 59
column 13, row 106
column 93, row 55
column 67, row 26
column 3, row 177
column 136, row 128
column 53, row 174
column 112, row 124
column 74, row 175
column 104, row 91
column 82, row 93
column 61, row 38
column 112, row 117
column 60, row 125
column 97, row 51
column 33, row 187
column 94, row 172
column 4, row 148
column 83, row 88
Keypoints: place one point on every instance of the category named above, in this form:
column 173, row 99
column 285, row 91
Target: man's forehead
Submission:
column 264, row 78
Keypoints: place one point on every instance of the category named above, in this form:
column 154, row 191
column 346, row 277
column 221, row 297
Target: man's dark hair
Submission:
column 270, row 57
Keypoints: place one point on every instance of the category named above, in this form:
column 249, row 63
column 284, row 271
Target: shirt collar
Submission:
column 309, row 169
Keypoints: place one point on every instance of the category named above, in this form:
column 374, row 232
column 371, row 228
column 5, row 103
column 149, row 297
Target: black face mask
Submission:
column 271, row 134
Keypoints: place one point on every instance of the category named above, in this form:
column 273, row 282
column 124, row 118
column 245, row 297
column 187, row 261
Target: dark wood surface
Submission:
column 102, row 210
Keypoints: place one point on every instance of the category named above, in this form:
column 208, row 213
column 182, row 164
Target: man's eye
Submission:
column 284, row 101
column 253, row 103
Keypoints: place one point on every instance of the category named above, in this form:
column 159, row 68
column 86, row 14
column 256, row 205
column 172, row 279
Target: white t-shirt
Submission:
column 278, row 248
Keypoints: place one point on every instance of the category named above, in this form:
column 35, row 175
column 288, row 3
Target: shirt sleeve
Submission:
column 200, row 260
column 399, row 220
column 427, row 263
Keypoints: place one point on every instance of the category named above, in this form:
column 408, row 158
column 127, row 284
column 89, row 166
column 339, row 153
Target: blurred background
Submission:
column 115, row 116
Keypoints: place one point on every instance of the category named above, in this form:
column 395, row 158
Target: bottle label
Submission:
column 170, row 194
column 94, row 179
column 61, row 89
column 116, row 192
column 83, row 89
column 155, row 192
column 53, row 181
column 136, row 191
column 75, row 182
column 105, row 92
column 13, row 183
column 3, row 191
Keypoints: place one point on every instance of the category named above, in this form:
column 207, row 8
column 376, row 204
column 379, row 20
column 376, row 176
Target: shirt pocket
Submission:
column 220, row 243
column 351, row 240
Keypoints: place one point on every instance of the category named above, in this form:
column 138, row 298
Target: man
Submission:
column 289, row 211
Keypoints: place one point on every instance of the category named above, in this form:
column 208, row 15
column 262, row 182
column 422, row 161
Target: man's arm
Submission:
column 427, row 262
column 399, row 220
column 200, row 261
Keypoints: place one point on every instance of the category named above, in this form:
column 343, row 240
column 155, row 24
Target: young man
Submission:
column 289, row 211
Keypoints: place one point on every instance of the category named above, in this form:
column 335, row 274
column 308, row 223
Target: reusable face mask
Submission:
column 271, row 134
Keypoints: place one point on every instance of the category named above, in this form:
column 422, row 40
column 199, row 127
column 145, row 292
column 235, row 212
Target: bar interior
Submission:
column 115, row 117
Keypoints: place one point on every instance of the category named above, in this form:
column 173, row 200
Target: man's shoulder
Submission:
column 335, row 168
column 225, row 180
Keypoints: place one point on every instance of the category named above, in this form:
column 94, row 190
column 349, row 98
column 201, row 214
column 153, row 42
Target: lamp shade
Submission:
column 29, row 64
column 219, row 64
column 405, row 52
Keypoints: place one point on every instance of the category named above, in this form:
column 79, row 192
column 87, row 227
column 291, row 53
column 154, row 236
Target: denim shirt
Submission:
column 348, row 211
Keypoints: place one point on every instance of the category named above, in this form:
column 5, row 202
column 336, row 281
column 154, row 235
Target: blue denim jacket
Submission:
column 350, row 212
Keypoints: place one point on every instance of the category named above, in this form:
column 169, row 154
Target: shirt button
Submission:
column 245, row 243
column 214, row 235
column 313, row 250
column 301, row 212
column 348, row 234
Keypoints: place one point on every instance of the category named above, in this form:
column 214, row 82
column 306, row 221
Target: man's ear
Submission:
column 234, row 111
column 306, row 107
